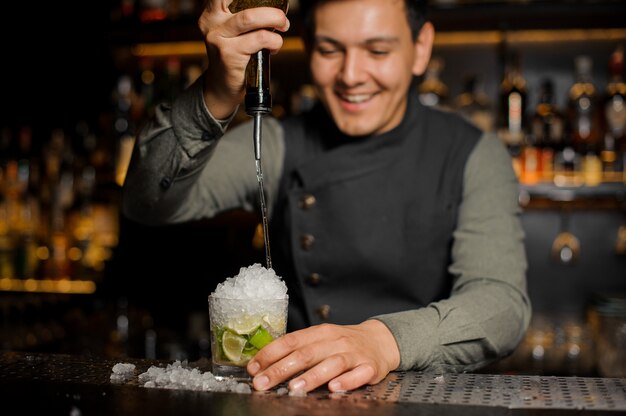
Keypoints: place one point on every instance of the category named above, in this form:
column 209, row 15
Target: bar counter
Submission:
column 79, row 385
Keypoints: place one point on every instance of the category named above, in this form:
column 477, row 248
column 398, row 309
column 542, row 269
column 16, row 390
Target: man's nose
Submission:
column 353, row 70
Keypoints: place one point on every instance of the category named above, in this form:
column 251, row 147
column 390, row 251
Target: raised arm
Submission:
column 169, row 179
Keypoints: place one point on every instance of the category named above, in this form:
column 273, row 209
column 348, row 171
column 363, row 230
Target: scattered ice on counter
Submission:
column 122, row 372
column 123, row 368
column 252, row 282
column 439, row 379
column 178, row 376
column 297, row 393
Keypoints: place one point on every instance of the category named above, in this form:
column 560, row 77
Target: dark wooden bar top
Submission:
column 73, row 385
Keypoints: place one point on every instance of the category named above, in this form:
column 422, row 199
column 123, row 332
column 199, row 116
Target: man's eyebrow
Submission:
column 379, row 39
column 383, row 39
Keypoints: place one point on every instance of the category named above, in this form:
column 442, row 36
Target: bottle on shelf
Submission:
column 124, row 98
column 614, row 141
column 81, row 221
column 433, row 92
column 28, row 221
column 584, row 120
column 547, row 127
column 59, row 158
column 474, row 104
column 511, row 114
column 8, row 176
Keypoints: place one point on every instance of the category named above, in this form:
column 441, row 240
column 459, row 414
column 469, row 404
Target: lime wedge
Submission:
column 233, row 346
column 260, row 338
column 244, row 326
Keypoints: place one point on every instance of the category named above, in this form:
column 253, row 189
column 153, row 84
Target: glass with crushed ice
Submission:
column 246, row 312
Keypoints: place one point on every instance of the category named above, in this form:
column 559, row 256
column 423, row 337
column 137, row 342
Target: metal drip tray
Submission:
column 510, row 391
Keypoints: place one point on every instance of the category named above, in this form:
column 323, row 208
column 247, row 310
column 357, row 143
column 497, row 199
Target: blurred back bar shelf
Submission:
column 610, row 195
column 64, row 286
column 143, row 289
column 195, row 48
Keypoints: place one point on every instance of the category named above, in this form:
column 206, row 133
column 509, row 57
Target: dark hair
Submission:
column 415, row 14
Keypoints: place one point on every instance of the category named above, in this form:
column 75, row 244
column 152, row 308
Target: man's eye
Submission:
column 379, row 52
column 327, row 51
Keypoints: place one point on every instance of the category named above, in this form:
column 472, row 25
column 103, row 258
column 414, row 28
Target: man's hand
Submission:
column 230, row 40
column 345, row 357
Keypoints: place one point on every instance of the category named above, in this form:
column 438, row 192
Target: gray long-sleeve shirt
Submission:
column 185, row 166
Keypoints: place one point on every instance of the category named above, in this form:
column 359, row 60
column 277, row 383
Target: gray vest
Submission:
column 363, row 226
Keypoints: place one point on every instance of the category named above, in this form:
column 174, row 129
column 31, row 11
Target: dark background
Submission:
column 56, row 63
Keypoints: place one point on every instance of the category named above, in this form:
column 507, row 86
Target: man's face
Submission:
column 362, row 63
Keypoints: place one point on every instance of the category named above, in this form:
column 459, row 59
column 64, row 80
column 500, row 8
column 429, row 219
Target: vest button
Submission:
column 165, row 182
column 313, row 279
column 323, row 311
column 306, row 241
column 307, row 201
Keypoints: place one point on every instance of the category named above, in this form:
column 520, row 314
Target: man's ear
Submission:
column 423, row 48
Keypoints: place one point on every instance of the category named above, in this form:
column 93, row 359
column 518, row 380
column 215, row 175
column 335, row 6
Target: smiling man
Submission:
column 395, row 226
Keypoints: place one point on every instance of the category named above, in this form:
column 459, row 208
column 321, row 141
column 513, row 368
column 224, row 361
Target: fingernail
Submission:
column 297, row 385
column 254, row 367
column 261, row 382
column 335, row 386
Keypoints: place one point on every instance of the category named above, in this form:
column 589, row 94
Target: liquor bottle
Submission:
column 547, row 127
column 615, row 106
column 432, row 90
column 615, row 116
column 512, row 109
column 584, row 120
column 583, row 115
column 60, row 175
column 124, row 127
column 473, row 104
column 27, row 221
column 8, row 175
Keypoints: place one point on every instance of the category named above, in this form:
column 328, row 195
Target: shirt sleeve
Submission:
column 488, row 310
column 187, row 166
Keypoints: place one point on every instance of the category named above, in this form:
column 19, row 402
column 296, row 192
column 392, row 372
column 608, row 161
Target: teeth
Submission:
column 356, row 98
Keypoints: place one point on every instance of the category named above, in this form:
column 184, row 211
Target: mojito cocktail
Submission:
column 246, row 313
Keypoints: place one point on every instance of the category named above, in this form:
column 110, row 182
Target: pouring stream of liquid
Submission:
column 259, row 177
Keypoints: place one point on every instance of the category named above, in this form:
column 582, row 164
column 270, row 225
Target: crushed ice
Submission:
column 252, row 282
column 178, row 376
column 122, row 372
